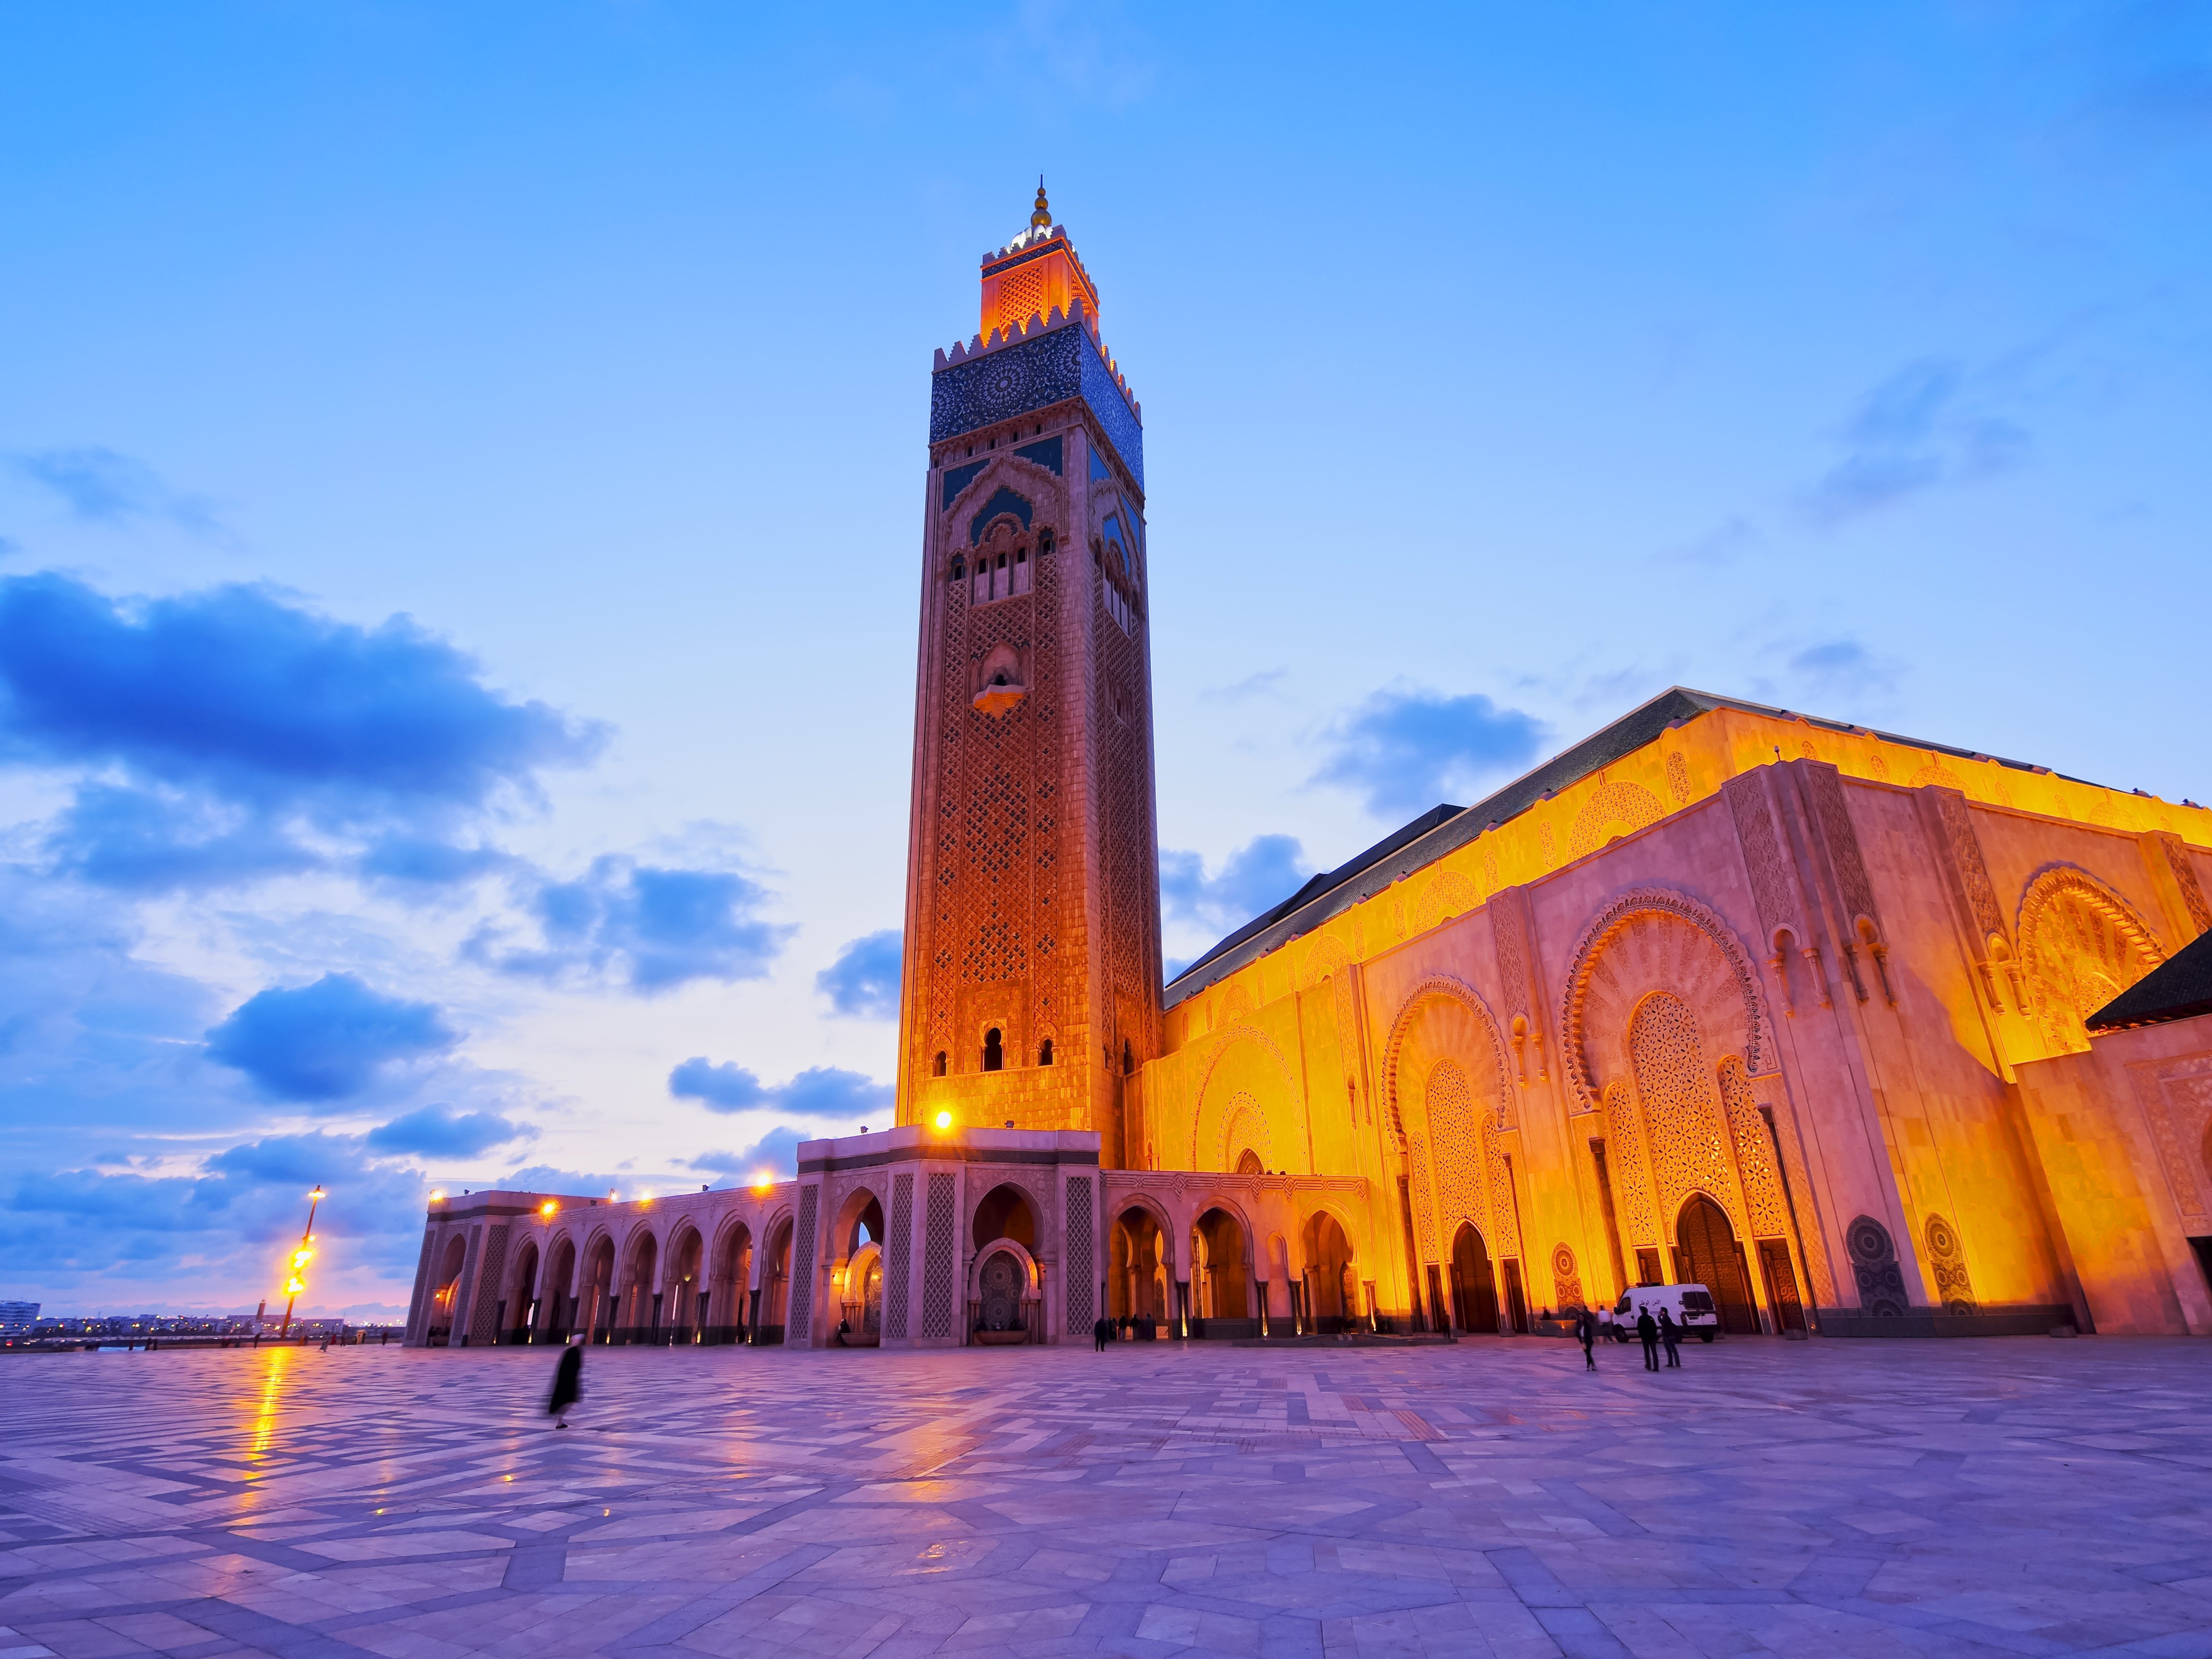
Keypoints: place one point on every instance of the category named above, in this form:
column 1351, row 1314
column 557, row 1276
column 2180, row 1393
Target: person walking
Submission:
column 1670, row 1334
column 1586, row 1333
column 568, row 1385
column 1098, row 1328
column 1647, row 1329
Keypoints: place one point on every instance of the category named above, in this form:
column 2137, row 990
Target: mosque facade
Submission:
column 1828, row 1020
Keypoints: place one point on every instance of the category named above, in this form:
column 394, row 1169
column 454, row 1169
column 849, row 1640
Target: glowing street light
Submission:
column 548, row 1209
column 301, row 1258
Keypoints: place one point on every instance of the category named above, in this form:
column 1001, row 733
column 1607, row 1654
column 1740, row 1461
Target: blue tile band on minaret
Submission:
column 1034, row 373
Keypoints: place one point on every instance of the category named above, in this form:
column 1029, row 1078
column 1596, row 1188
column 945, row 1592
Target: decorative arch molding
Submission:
column 1629, row 804
column 2081, row 944
column 1163, row 1217
column 1206, row 1135
column 1244, row 1128
column 1012, row 1247
column 1229, row 1207
column 1714, row 979
column 1450, row 988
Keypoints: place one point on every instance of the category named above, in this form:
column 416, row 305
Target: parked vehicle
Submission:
column 1690, row 1306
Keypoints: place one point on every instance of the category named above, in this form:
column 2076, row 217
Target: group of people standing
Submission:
column 1652, row 1333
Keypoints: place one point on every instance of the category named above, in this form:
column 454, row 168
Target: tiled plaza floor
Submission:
column 2022, row 1496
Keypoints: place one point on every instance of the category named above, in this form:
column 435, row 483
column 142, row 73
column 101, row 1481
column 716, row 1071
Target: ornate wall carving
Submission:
column 898, row 1251
column 1832, row 817
column 2081, row 945
column 1506, row 1213
column 938, row 1258
column 1425, row 1215
column 2183, row 871
column 1448, row 894
column 1682, row 1121
column 1080, row 1276
column 1444, row 1015
column 1873, row 1262
column 1654, row 938
column 2176, row 1098
column 1567, row 1283
column 1973, row 869
column 1618, row 808
column 1771, row 887
column 1678, row 777
column 1947, row 1256
column 1452, row 1120
column 1630, row 1173
column 804, row 1270
column 1754, row 1154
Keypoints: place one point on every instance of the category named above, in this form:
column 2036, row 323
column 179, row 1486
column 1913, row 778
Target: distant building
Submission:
column 16, row 1319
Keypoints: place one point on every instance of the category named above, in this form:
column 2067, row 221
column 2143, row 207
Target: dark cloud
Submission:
column 863, row 980
column 327, row 1040
column 652, row 928
column 826, row 1091
column 1405, row 751
column 1922, row 426
column 1844, row 669
column 1264, row 871
column 167, row 840
column 231, row 691
column 775, row 1153
column 441, row 1131
column 102, row 487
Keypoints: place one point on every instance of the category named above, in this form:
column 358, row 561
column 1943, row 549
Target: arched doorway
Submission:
column 1248, row 1163
column 557, row 1306
column 1137, row 1285
column 449, row 1287
column 639, row 1310
column 686, row 1289
column 726, row 1319
column 1221, row 1278
column 522, row 1306
column 1474, row 1284
column 1005, row 1212
column 1330, row 1289
column 598, row 1299
column 1000, row 1283
column 1707, row 1254
column 775, row 1285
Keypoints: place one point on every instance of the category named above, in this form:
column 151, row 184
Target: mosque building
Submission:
column 1868, row 1035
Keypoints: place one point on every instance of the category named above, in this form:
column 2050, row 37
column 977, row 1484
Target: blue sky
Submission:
column 460, row 475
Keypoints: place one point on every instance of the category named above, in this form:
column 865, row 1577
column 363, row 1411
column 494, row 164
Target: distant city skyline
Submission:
column 459, row 489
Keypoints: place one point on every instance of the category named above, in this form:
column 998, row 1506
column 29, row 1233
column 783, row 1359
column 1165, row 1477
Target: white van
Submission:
column 1691, row 1307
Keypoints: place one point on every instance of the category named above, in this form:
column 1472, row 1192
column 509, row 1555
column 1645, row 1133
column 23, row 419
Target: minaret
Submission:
column 1032, row 974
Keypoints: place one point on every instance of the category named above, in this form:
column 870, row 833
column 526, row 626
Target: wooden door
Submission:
column 1710, row 1255
column 1781, row 1285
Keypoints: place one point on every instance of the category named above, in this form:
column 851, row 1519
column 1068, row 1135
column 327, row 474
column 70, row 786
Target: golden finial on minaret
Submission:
column 1041, row 218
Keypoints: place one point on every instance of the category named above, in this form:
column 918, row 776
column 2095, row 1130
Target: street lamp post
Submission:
column 300, row 1257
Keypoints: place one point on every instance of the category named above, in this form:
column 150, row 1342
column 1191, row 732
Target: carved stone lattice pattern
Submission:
column 898, row 1253
column 2177, row 1102
column 1631, row 1181
column 1548, row 847
column 2082, row 946
column 1567, row 1283
column 1826, row 786
column 1507, row 915
column 1080, row 1284
column 1973, row 871
column 1678, row 777
column 1947, row 1256
column 1245, row 1129
column 1452, row 1119
column 1762, row 856
column 1942, row 776
column 1503, row 1213
column 1873, row 1262
column 1754, row 1154
column 1129, row 879
column 1653, row 940
column 1489, row 868
column 802, row 1272
column 1616, row 809
column 483, row 1312
column 1809, row 1238
column 1688, row 1140
column 2184, row 877
column 1448, row 894
column 1425, row 1215
column 937, row 1259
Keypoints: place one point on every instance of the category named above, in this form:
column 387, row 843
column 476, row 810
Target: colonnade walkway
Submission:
column 1995, row 1496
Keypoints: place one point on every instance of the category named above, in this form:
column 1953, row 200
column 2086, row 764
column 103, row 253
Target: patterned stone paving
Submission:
column 1992, row 1497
